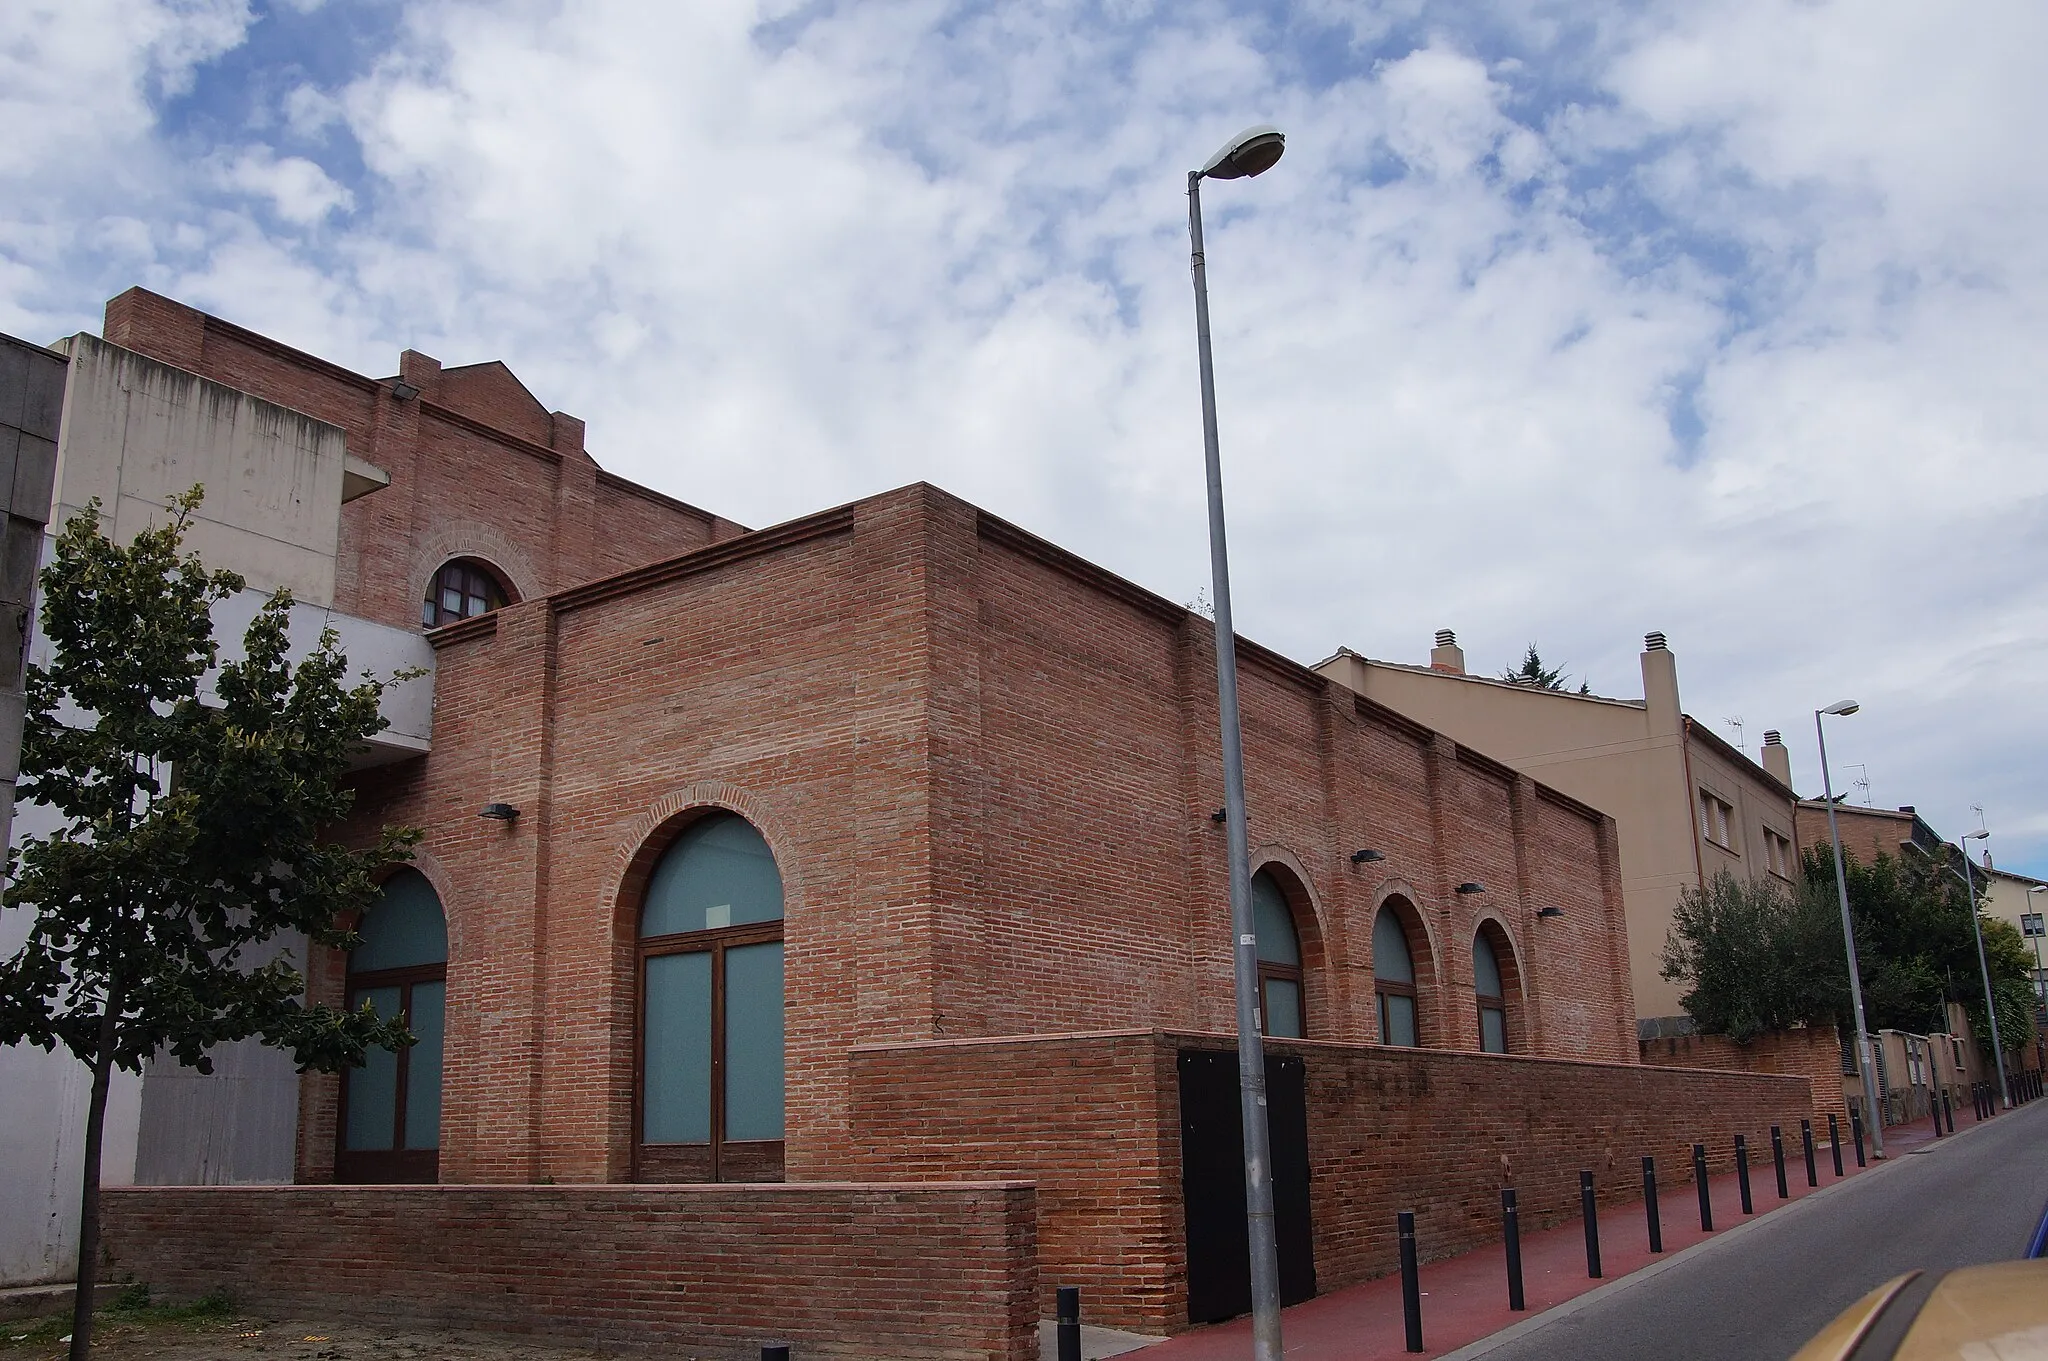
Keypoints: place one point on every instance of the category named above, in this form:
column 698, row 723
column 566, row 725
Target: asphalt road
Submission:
column 1760, row 1293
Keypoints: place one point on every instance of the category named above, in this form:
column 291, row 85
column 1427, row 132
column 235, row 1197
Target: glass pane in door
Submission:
column 753, row 1041
column 423, row 1067
column 676, row 1058
column 373, row 1088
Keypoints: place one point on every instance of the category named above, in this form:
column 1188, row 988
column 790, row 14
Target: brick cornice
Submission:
column 753, row 545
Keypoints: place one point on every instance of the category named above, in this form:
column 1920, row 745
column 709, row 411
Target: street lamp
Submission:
column 1872, row 1099
column 1252, row 152
column 1990, row 1006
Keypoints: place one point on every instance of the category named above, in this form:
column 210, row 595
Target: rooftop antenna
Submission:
column 1736, row 723
column 1862, row 782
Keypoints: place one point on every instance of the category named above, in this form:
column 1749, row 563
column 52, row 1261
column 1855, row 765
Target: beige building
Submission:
column 1687, row 804
column 2023, row 901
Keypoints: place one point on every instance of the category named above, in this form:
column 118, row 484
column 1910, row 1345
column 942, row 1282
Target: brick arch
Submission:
column 1425, row 951
column 1514, row 984
column 472, row 539
column 640, row 847
column 1317, row 977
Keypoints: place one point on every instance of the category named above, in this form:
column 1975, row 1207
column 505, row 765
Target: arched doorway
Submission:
column 389, row 1128
column 1283, row 1009
column 710, row 1088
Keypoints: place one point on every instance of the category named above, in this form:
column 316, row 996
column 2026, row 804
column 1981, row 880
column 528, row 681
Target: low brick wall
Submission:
column 1094, row 1120
column 1813, row 1053
column 937, row 1273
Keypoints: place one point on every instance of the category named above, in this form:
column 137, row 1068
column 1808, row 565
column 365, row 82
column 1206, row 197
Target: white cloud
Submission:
column 782, row 256
column 300, row 191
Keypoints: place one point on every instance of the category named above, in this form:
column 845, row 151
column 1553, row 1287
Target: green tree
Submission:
column 190, row 832
column 1755, row 957
column 1532, row 671
column 1915, row 946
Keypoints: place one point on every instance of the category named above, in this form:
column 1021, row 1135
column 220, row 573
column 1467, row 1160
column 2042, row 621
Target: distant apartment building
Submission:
column 2023, row 901
column 1687, row 805
column 1868, row 833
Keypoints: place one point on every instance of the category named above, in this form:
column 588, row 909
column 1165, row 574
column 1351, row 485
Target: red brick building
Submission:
column 968, row 782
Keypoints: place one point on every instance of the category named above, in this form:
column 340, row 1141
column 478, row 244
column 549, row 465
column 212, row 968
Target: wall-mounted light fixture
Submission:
column 403, row 390
column 1549, row 912
column 1470, row 886
column 498, row 812
column 1367, row 856
column 1219, row 815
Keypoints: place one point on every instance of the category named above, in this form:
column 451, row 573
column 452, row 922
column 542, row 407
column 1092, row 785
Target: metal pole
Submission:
column 1511, row 1237
column 1990, row 1007
column 1871, row 1096
column 1251, row 1052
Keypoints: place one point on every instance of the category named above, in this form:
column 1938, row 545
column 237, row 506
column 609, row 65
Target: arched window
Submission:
column 462, row 589
column 711, row 1008
column 1393, row 968
column 1492, row 998
column 390, row 1122
column 1280, row 999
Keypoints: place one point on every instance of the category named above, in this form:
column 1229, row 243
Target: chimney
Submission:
column 1660, row 687
column 1777, row 757
column 1447, row 655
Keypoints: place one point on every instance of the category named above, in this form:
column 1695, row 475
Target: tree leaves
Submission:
column 1759, row 957
column 191, row 832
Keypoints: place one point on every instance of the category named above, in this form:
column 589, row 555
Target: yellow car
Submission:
column 1981, row 1313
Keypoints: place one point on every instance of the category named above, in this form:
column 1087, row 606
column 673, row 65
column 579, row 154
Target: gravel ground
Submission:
column 145, row 1334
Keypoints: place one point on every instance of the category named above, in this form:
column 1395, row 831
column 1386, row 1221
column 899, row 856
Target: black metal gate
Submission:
column 1212, row 1182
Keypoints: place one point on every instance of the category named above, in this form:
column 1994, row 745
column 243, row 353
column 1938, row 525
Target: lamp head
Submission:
column 1252, row 152
column 1547, row 912
column 1367, row 856
column 1842, row 708
column 1975, row 836
column 2038, row 888
column 1471, row 886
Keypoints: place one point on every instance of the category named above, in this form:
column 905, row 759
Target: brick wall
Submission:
column 986, row 771
column 925, row 1272
column 1813, row 1052
column 1094, row 1120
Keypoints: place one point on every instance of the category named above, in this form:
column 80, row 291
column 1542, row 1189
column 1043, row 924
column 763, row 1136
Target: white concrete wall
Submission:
column 136, row 432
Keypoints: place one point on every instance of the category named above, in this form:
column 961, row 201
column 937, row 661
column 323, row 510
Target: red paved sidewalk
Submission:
column 1465, row 1298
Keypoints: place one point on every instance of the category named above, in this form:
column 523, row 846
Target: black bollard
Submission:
column 1806, row 1142
column 1589, row 1208
column 1742, row 1172
column 1856, row 1131
column 1411, row 1280
column 779, row 1351
column 1699, row 1177
column 1067, row 1324
column 1835, row 1142
column 1511, row 1236
column 1778, row 1159
column 1650, row 1204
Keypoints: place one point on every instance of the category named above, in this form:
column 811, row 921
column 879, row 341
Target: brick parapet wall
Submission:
column 1094, row 1120
column 935, row 1273
column 1814, row 1053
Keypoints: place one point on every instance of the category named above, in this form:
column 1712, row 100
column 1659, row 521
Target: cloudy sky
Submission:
column 1558, row 323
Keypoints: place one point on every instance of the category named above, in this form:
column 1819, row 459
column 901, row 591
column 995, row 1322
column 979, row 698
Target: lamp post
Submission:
column 1251, row 152
column 1873, row 1100
column 1990, row 1005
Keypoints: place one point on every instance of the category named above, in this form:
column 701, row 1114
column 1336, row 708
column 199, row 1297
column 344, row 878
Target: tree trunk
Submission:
column 89, row 1196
